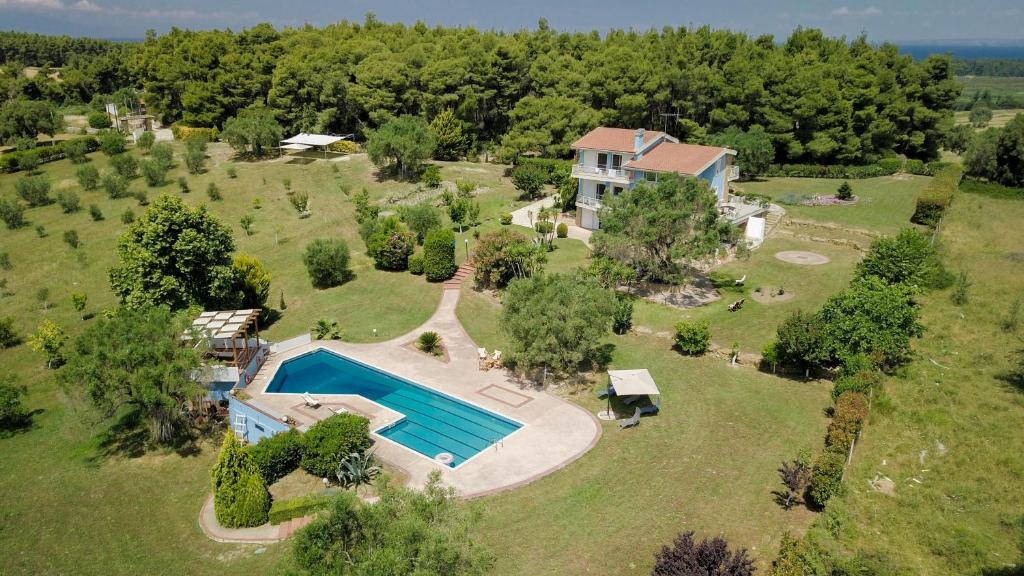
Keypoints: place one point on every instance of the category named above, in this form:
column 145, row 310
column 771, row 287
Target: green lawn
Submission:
column 884, row 207
column 69, row 504
column 706, row 463
column 963, row 514
column 999, row 117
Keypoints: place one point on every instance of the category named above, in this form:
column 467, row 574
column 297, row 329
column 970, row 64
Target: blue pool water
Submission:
column 433, row 423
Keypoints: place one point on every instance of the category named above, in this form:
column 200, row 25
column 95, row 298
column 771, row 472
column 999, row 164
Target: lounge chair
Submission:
column 481, row 358
column 631, row 421
column 310, row 401
column 496, row 357
column 340, row 410
column 740, row 281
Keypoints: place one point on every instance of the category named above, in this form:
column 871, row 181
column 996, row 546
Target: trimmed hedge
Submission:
column 344, row 147
column 833, row 171
column 277, row 456
column 333, row 438
column 284, row 510
column 848, row 416
column 861, row 382
column 182, row 132
column 416, row 264
column 13, row 161
column 933, row 200
column 439, row 255
column 827, row 477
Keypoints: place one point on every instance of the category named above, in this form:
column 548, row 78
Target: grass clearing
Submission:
column 997, row 86
column 885, row 204
column 999, row 117
column 965, row 514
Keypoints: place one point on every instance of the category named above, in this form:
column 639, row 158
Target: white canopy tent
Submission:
column 305, row 141
column 633, row 382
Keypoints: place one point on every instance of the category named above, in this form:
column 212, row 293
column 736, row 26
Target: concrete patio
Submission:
column 554, row 433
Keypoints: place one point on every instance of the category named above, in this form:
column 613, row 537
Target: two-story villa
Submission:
column 611, row 160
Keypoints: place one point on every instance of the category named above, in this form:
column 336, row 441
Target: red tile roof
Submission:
column 614, row 139
column 682, row 158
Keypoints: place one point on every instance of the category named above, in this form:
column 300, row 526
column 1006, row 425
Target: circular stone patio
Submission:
column 803, row 258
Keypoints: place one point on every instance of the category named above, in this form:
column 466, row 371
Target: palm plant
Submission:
column 430, row 342
column 357, row 469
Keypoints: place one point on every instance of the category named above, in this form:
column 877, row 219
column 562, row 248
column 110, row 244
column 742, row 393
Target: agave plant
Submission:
column 357, row 469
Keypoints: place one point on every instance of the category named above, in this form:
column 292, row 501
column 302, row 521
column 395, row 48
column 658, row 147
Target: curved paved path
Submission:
column 527, row 216
column 555, row 432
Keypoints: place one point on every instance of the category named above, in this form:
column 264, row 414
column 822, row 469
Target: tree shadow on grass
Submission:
column 130, row 437
column 21, row 425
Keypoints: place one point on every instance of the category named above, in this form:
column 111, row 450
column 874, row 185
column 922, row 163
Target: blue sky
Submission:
column 881, row 20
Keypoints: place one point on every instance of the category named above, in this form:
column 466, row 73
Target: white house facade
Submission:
column 612, row 160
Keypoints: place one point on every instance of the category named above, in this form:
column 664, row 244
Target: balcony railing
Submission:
column 588, row 202
column 734, row 173
column 581, row 171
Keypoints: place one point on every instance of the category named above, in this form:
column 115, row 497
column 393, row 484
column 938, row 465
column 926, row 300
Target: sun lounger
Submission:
column 340, row 410
column 740, row 281
column 631, row 421
column 496, row 357
column 737, row 305
column 602, row 393
column 627, row 400
column 309, row 400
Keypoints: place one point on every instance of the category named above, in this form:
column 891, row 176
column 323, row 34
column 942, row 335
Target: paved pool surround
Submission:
column 553, row 432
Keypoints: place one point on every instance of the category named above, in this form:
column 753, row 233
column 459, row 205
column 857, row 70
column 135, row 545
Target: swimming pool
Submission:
column 434, row 423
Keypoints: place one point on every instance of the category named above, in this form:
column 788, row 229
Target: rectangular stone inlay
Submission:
column 504, row 395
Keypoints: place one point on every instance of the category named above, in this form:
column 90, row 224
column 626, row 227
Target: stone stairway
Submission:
column 465, row 271
column 289, row 527
column 772, row 220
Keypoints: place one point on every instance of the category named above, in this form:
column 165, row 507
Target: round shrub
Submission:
column 277, row 456
column 544, row 227
column 431, row 176
column 327, row 262
column 99, row 120
column 416, row 264
column 506, row 219
column 562, row 230
column 501, row 255
column 693, row 338
column 390, row 244
column 328, row 440
column 439, row 255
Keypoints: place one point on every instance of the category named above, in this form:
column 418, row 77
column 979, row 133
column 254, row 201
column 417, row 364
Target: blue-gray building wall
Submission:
column 715, row 176
column 258, row 424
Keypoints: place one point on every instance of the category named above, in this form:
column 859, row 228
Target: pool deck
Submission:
column 555, row 432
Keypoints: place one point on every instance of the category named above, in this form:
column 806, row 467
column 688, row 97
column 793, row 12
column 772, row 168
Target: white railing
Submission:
column 588, row 202
column 581, row 171
column 734, row 173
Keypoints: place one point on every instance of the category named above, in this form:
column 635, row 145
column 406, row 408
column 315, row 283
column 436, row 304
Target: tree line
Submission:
column 1005, row 67
column 819, row 99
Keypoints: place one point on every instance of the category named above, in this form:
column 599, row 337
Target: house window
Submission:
column 602, row 160
column 258, row 426
column 616, row 190
column 617, row 161
column 651, row 176
column 601, row 188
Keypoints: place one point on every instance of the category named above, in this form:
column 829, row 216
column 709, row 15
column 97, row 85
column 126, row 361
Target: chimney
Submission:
column 638, row 140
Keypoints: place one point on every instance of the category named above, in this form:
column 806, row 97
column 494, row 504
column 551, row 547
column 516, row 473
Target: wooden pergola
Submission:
column 224, row 328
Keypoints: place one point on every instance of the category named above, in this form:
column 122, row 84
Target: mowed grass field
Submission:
column 999, row 117
column 996, row 85
column 948, row 431
column 72, row 503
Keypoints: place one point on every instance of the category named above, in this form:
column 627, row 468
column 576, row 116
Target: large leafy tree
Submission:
column 427, row 533
column 548, row 125
column 755, row 152
column 658, row 229
column 253, row 132
column 401, row 144
column 556, row 321
column 872, row 318
column 175, row 255
column 134, row 360
column 998, row 154
column 29, row 118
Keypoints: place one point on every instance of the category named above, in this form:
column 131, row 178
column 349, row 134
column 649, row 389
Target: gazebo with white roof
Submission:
column 305, row 141
column 227, row 332
column 632, row 384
